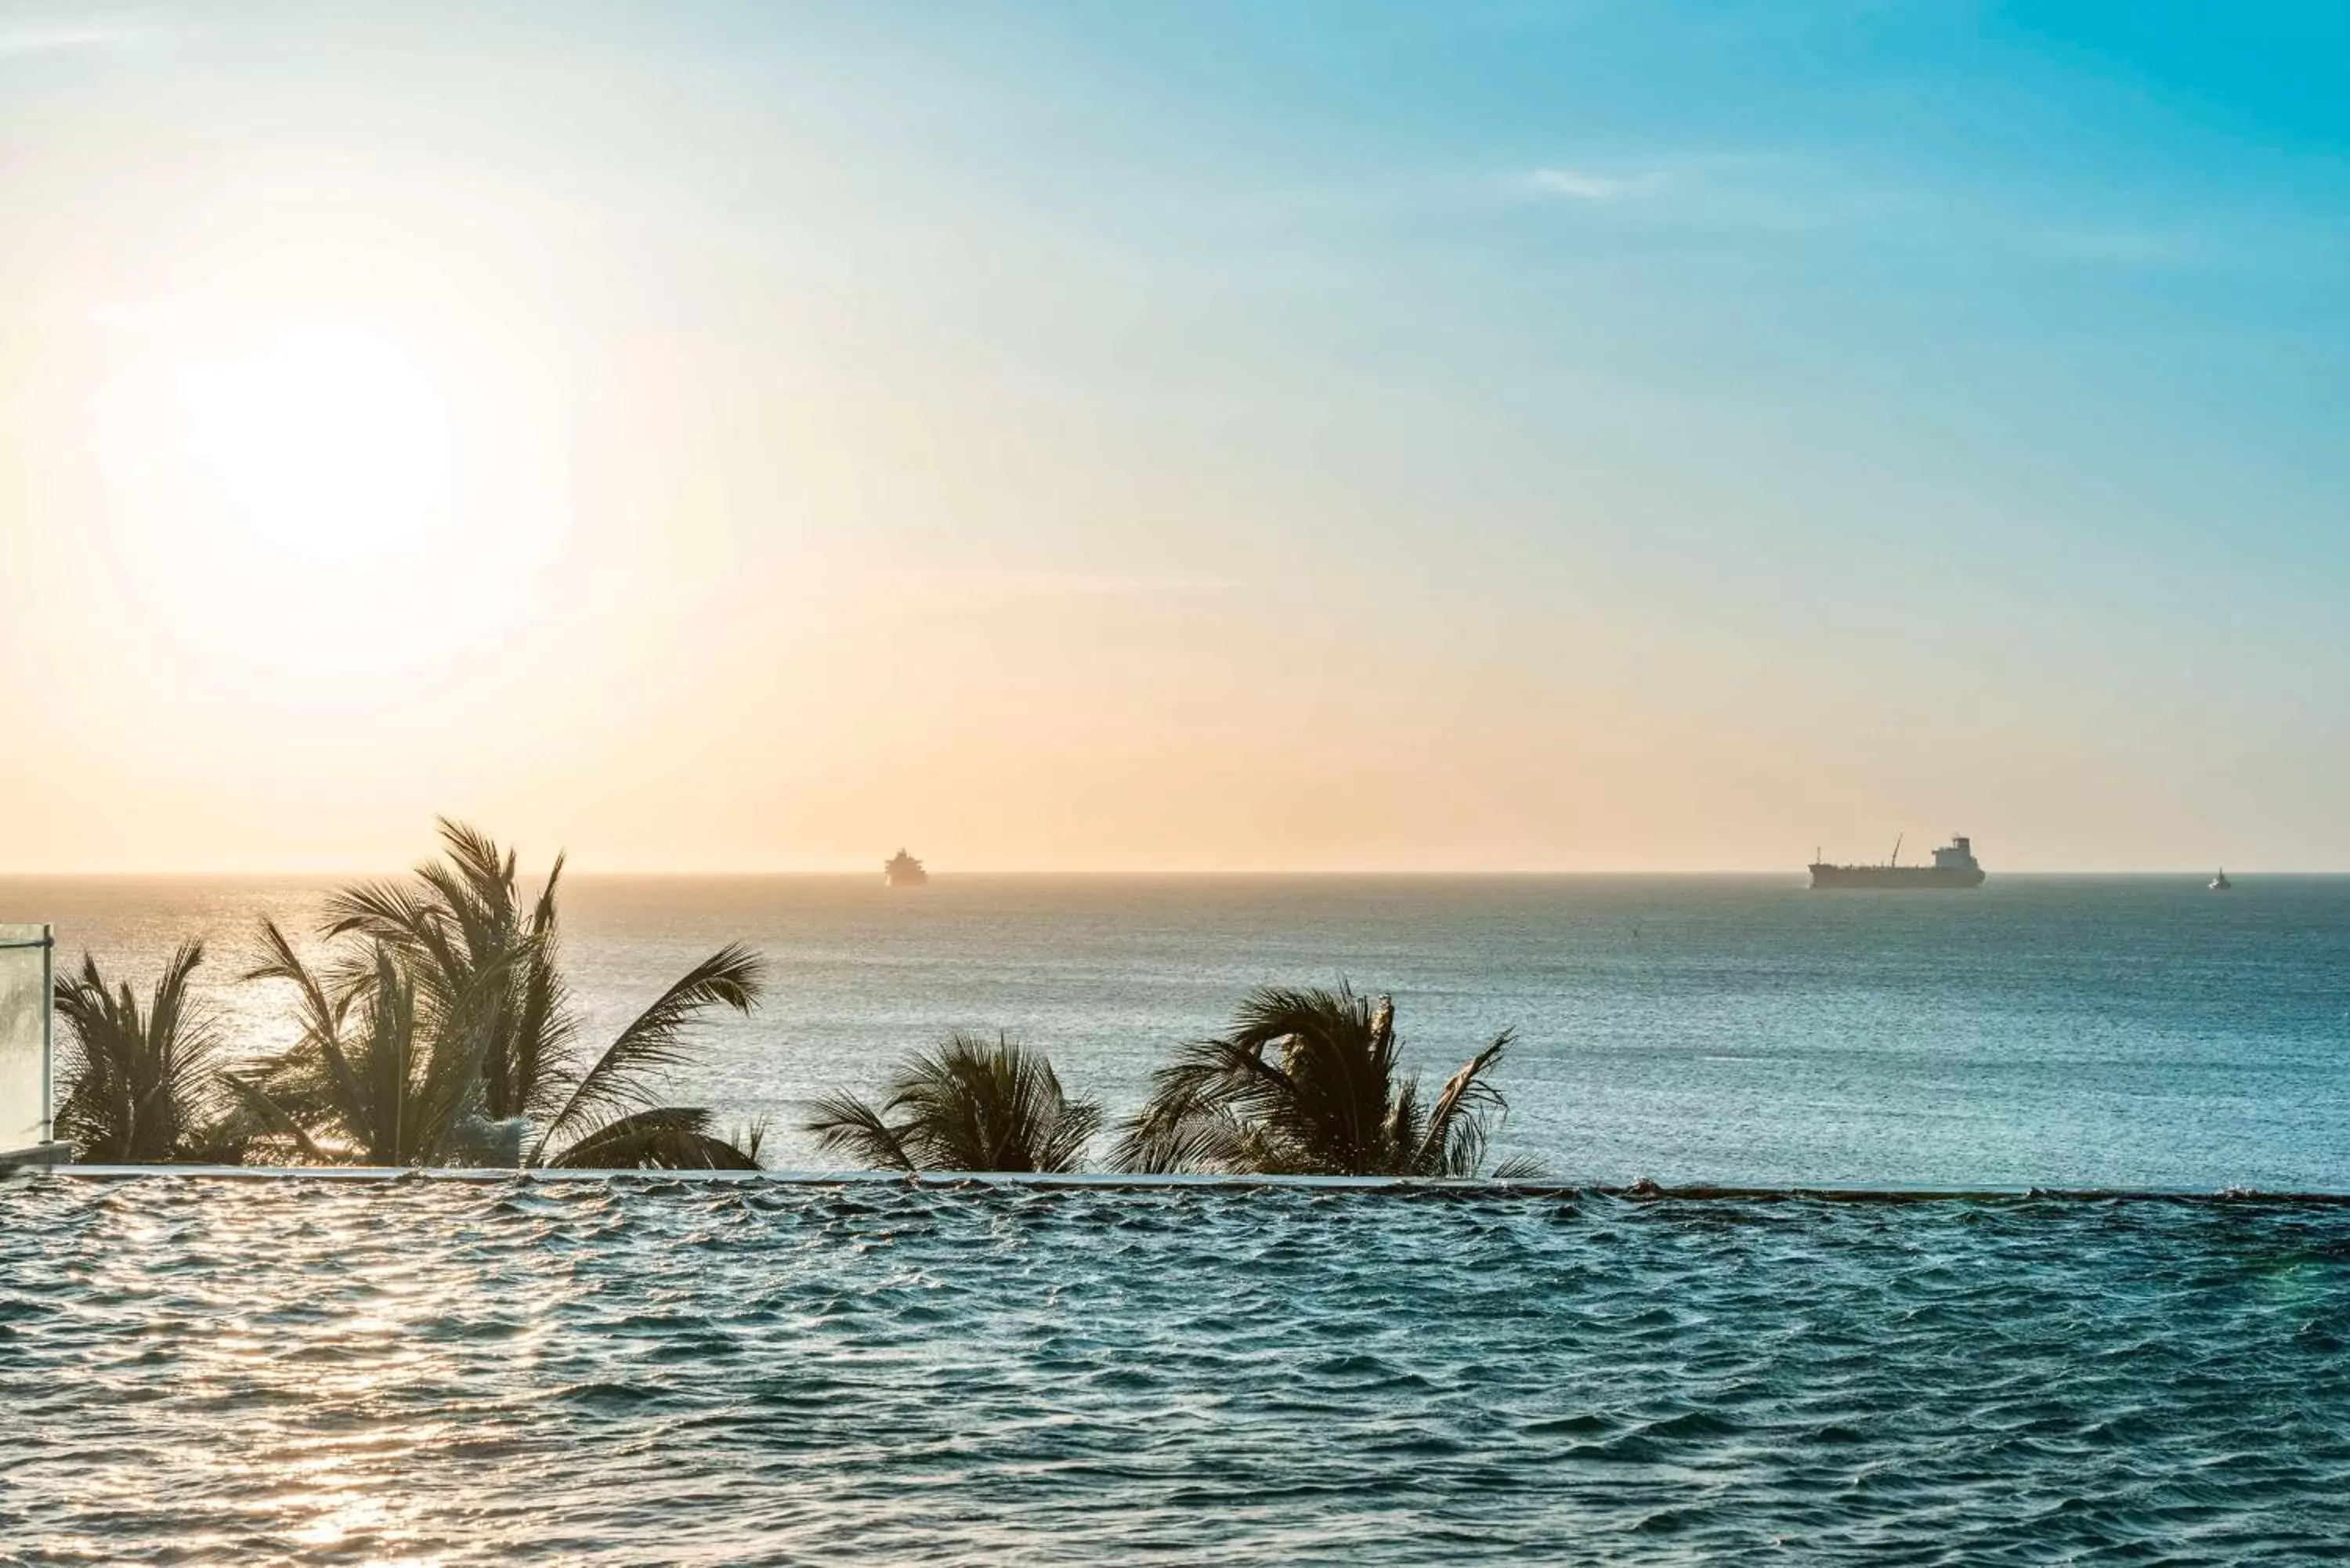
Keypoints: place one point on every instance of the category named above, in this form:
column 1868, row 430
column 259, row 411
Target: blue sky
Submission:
column 1693, row 431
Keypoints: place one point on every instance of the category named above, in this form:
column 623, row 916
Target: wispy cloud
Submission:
column 31, row 36
column 1582, row 186
column 1795, row 198
column 1054, row 584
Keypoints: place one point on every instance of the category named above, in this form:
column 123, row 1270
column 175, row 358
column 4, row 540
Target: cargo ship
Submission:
column 902, row 870
column 1954, row 867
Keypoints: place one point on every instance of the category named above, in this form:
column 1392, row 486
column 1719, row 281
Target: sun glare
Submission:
column 332, row 443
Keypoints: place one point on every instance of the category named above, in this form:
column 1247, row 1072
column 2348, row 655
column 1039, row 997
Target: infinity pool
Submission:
column 638, row 1369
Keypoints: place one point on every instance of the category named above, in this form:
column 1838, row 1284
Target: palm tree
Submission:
column 144, row 1086
column 606, row 1117
column 965, row 1106
column 439, row 1029
column 1305, row 1083
column 458, row 923
column 374, row 1080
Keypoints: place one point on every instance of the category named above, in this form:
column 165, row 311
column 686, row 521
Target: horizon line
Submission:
column 675, row 873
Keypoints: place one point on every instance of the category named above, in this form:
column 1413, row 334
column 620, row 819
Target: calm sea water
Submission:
column 2129, row 1032
column 639, row 1370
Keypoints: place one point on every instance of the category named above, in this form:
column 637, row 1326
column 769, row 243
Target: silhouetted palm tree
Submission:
column 459, row 924
column 144, row 1087
column 965, row 1106
column 1305, row 1083
column 666, row 1137
column 374, row 1080
column 607, row 1112
column 438, row 1030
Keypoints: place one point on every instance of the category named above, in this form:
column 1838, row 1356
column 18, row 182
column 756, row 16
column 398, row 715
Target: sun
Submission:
column 329, row 442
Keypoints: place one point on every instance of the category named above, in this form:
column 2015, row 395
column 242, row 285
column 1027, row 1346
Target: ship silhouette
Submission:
column 902, row 870
column 1954, row 865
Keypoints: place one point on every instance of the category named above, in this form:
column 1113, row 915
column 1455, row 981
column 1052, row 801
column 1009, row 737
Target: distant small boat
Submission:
column 2221, row 884
column 902, row 870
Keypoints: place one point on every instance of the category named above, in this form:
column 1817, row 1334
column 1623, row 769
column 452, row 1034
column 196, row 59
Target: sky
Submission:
column 1506, row 435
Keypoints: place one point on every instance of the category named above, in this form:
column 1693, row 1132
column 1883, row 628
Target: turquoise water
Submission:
column 2129, row 1032
column 644, row 1370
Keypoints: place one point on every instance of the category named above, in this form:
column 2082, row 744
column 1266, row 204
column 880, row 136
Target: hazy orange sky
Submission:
column 1514, row 438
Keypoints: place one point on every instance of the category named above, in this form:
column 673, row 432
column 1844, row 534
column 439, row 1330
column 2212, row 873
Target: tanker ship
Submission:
column 1954, row 867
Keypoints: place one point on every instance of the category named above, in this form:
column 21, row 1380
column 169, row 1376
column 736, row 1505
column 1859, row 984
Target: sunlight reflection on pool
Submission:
column 644, row 1369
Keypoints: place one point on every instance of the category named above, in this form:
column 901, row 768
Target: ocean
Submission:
column 2134, row 1032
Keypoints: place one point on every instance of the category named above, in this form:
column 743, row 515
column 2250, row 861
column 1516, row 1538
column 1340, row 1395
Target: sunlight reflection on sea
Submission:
column 2128, row 1032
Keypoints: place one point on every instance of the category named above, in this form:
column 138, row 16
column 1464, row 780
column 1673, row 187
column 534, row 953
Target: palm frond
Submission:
column 1335, row 1103
column 542, row 914
column 138, row 1084
column 475, row 855
column 1405, row 1122
column 535, row 1043
column 752, row 1140
column 970, row 1104
column 1163, row 1141
column 447, row 1082
column 276, row 1117
column 536, row 1048
column 843, row 1124
column 385, row 911
column 662, row 1137
column 1188, row 1123
column 1455, row 1140
column 321, row 1012
column 618, row 1081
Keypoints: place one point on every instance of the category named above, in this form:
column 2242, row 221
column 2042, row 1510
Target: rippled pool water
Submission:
column 641, row 1370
